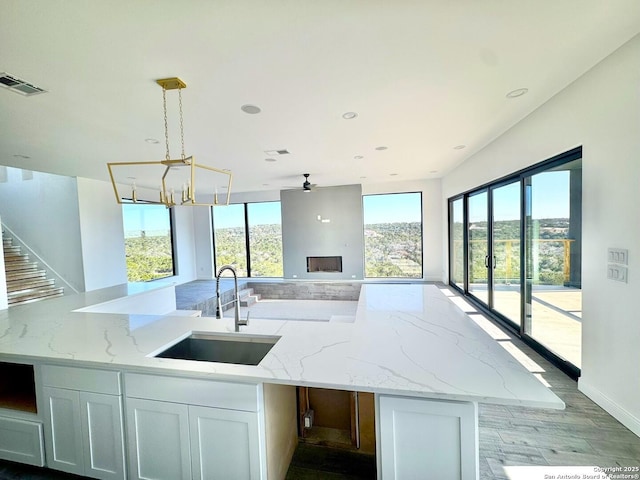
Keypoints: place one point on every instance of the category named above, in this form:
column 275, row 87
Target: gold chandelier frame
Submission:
column 167, row 194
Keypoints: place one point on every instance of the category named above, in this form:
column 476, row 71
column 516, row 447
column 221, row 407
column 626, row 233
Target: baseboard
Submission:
column 616, row 411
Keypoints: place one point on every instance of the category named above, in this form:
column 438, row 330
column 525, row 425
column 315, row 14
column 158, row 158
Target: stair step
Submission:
column 34, row 295
column 26, row 283
column 24, row 274
column 15, row 286
column 247, row 297
column 13, row 258
column 16, row 267
column 10, row 249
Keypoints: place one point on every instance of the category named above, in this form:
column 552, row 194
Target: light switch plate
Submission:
column 618, row 255
column 617, row 273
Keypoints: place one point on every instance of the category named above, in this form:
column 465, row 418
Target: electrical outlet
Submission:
column 308, row 419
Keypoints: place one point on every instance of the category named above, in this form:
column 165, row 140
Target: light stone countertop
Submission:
column 407, row 339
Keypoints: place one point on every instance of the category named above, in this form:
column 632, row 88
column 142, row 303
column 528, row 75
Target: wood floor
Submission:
column 583, row 434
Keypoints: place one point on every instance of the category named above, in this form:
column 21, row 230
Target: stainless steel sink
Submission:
column 223, row 348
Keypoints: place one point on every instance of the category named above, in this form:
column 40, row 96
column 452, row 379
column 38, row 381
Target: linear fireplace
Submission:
column 324, row 264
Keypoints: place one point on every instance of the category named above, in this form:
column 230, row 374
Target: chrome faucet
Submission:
column 237, row 322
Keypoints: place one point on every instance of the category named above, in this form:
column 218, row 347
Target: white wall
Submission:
column 601, row 112
column 42, row 210
column 102, row 234
column 184, row 243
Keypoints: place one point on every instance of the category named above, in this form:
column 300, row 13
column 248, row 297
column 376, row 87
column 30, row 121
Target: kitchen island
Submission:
column 425, row 360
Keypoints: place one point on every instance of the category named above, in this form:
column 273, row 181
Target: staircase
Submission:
column 248, row 297
column 26, row 282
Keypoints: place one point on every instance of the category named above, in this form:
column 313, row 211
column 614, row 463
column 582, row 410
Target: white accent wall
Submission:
column 601, row 112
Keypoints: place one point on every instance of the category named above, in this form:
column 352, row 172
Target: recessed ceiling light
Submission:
column 433, row 171
column 358, row 157
column 151, row 140
column 517, row 92
column 349, row 115
column 381, row 147
column 270, row 160
column 265, row 184
column 459, row 147
column 23, row 157
column 363, row 177
column 393, row 174
column 250, row 109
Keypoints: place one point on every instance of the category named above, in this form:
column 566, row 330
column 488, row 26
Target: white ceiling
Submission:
column 423, row 76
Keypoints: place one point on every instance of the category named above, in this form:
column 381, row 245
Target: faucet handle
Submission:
column 244, row 323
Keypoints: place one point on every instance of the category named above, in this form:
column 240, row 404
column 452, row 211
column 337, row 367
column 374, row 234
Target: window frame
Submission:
column 172, row 241
column 247, row 243
column 364, row 258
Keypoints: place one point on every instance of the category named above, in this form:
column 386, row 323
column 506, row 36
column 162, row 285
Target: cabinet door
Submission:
column 224, row 444
column 421, row 438
column 158, row 439
column 102, row 435
column 63, row 439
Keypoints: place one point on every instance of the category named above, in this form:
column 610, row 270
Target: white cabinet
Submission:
column 83, row 422
column 190, row 428
column 224, row 444
column 21, row 441
column 158, row 439
column 422, row 438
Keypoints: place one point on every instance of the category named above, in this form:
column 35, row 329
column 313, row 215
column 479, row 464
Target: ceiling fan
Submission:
column 307, row 186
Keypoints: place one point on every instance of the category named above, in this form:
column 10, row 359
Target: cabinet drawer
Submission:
column 207, row 393
column 21, row 441
column 83, row 379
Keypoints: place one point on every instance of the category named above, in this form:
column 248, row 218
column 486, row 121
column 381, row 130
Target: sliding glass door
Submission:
column 515, row 247
column 494, row 249
column 553, row 295
column 505, row 251
column 456, row 241
column 478, row 260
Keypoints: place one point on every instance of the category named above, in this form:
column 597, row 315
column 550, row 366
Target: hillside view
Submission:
column 391, row 250
column 148, row 255
column 551, row 243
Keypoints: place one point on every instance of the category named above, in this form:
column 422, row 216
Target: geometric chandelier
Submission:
column 173, row 180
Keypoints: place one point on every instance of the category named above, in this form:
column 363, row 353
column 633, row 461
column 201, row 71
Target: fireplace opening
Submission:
column 324, row 264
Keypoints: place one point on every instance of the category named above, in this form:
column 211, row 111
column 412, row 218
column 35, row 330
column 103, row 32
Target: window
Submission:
column 148, row 242
column 393, row 235
column 230, row 236
column 265, row 239
column 249, row 237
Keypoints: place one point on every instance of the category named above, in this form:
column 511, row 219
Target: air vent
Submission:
column 272, row 153
column 17, row 85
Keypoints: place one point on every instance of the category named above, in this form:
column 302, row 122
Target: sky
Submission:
column 144, row 217
column 387, row 208
column 550, row 199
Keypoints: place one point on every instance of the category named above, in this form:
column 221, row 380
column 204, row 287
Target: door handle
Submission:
column 486, row 261
column 494, row 262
